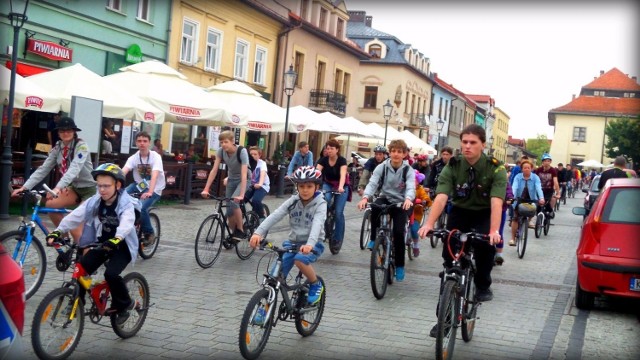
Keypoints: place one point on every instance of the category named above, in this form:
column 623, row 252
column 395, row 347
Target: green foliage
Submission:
column 539, row 145
column 622, row 138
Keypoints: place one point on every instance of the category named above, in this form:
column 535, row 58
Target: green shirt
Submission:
column 490, row 181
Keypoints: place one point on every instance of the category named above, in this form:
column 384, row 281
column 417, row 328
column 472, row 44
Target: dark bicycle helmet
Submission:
column 306, row 174
column 109, row 169
column 380, row 148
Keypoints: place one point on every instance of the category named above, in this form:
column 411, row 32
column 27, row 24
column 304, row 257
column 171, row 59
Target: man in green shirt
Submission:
column 478, row 185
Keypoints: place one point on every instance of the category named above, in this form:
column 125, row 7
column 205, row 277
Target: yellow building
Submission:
column 500, row 134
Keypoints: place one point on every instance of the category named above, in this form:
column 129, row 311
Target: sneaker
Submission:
column 499, row 260
column 315, row 292
column 399, row 274
column 123, row 315
column 258, row 318
column 484, row 295
column 434, row 331
column 370, row 245
column 512, row 242
column 416, row 252
column 238, row 236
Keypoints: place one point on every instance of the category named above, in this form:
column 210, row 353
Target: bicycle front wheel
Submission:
column 521, row 242
column 57, row 324
column 309, row 316
column 251, row 223
column 447, row 317
column 209, row 241
column 138, row 289
column 378, row 267
column 547, row 225
column 146, row 250
column 256, row 324
column 365, row 229
column 35, row 262
column 538, row 230
column 469, row 309
column 408, row 242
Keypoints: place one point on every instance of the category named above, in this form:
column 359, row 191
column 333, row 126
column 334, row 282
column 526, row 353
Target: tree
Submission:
column 539, row 145
column 622, row 138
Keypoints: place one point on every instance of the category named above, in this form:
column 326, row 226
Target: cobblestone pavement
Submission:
column 197, row 311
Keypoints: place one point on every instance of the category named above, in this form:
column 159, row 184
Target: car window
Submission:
column 622, row 206
column 594, row 184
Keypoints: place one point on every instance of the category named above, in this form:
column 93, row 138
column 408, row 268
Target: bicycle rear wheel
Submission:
column 547, row 225
column 55, row 333
column 35, row 262
column 309, row 316
column 365, row 229
column 538, row 229
column 521, row 242
column 256, row 324
column 379, row 271
column 138, row 289
column 145, row 250
column 251, row 223
column 469, row 309
column 209, row 241
column 408, row 241
column 447, row 317
column 334, row 245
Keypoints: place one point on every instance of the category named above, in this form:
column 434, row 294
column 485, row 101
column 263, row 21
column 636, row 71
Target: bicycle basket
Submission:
column 528, row 210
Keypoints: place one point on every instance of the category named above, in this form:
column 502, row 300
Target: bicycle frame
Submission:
column 99, row 293
column 222, row 204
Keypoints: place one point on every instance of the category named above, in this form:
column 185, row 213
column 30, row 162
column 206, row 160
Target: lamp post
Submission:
column 386, row 109
column 289, row 87
column 439, row 127
column 17, row 20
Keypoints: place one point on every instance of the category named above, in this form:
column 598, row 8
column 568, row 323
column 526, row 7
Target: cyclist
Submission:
column 334, row 173
column 508, row 200
column 302, row 157
column 148, row 180
column 478, row 184
column 526, row 186
column 436, row 169
column 260, row 183
column 307, row 211
column 379, row 155
column 421, row 166
column 562, row 180
column 72, row 157
column 549, row 179
column 569, row 179
column 616, row 172
column 396, row 182
column 238, row 173
column 108, row 219
column 418, row 212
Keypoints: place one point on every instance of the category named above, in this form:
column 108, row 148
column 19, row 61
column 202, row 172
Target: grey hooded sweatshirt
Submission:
column 394, row 189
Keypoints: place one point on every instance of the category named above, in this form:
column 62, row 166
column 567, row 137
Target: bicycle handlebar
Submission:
column 293, row 248
column 385, row 207
column 472, row 235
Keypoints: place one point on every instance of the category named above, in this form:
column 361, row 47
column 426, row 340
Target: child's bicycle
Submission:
column 59, row 318
column 19, row 242
column 262, row 312
column 407, row 230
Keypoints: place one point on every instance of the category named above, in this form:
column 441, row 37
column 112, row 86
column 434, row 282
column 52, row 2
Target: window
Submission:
column 598, row 93
column 440, row 110
column 260, row 66
column 345, row 86
column 242, row 55
column 114, row 5
column 299, row 67
column 189, row 40
column 580, row 134
column 337, row 81
column 446, row 108
column 340, row 29
column 622, row 206
column 370, row 97
column 323, row 19
column 320, row 75
column 143, row 10
column 304, row 7
column 214, row 40
column 375, row 51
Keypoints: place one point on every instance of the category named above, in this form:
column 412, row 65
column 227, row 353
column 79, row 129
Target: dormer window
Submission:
column 598, row 93
column 375, row 51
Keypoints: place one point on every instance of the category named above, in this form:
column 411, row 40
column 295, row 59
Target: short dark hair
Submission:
column 333, row 143
column 475, row 129
column 560, row 164
column 620, row 161
column 143, row 133
column 447, row 149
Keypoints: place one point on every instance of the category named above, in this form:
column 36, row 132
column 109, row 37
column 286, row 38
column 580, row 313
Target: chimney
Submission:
column 357, row 16
column 368, row 20
column 573, row 97
column 634, row 78
column 601, row 72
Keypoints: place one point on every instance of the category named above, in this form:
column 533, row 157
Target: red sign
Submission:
column 34, row 101
column 258, row 126
column 49, row 50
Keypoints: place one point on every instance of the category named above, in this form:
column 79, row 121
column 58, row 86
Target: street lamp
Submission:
column 17, row 20
column 439, row 127
column 289, row 87
column 386, row 109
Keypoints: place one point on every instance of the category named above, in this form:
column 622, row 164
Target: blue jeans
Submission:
column 145, row 221
column 341, row 202
column 255, row 197
column 288, row 259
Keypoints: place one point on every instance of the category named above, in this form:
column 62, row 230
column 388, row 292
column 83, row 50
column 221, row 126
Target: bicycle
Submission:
column 260, row 314
column 382, row 266
column 407, row 230
column 543, row 220
column 211, row 234
column 522, row 235
column 457, row 306
column 19, row 242
column 365, row 228
column 59, row 318
column 330, row 224
column 145, row 249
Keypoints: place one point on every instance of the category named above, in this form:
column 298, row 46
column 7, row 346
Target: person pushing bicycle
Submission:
column 307, row 212
column 479, row 185
column 396, row 182
column 108, row 219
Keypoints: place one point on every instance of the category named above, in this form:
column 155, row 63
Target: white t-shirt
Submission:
column 143, row 167
column 255, row 178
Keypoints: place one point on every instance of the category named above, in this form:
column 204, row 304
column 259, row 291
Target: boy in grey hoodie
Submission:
column 396, row 181
column 307, row 212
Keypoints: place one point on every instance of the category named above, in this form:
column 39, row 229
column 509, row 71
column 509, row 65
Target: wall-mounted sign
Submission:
column 49, row 50
column 133, row 54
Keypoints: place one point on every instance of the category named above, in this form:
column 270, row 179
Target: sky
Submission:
column 529, row 56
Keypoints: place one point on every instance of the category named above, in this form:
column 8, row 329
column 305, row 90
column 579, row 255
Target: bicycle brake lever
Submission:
column 48, row 189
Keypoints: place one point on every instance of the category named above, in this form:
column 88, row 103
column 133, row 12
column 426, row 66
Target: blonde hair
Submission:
column 227, row 135
column 255, row 148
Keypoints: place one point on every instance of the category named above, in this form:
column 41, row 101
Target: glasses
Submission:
column 104, row 187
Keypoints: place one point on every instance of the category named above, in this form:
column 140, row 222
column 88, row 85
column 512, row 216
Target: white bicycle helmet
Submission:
column 380, row 149
column 306, row 174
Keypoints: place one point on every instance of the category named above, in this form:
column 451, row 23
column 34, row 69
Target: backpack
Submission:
column 384, row 173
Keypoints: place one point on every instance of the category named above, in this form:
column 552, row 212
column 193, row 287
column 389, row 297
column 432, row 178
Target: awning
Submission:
column 27, row 70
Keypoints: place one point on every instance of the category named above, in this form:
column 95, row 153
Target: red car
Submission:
column 609, row 251
column 12, row 304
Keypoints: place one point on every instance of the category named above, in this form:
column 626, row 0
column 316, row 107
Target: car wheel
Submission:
column 584, row 300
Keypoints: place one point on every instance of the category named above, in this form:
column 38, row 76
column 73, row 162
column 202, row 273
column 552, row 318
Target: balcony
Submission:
column 417, row 120
column 327, row 100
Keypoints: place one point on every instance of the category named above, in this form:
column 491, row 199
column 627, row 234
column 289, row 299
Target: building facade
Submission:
column 500, row 134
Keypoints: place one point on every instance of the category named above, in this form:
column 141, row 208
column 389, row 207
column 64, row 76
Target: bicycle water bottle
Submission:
column 275, row 270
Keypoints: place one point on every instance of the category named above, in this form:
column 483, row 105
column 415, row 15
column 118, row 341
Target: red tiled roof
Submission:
column 481, row 98
column 613, row 79
column 599, row 105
